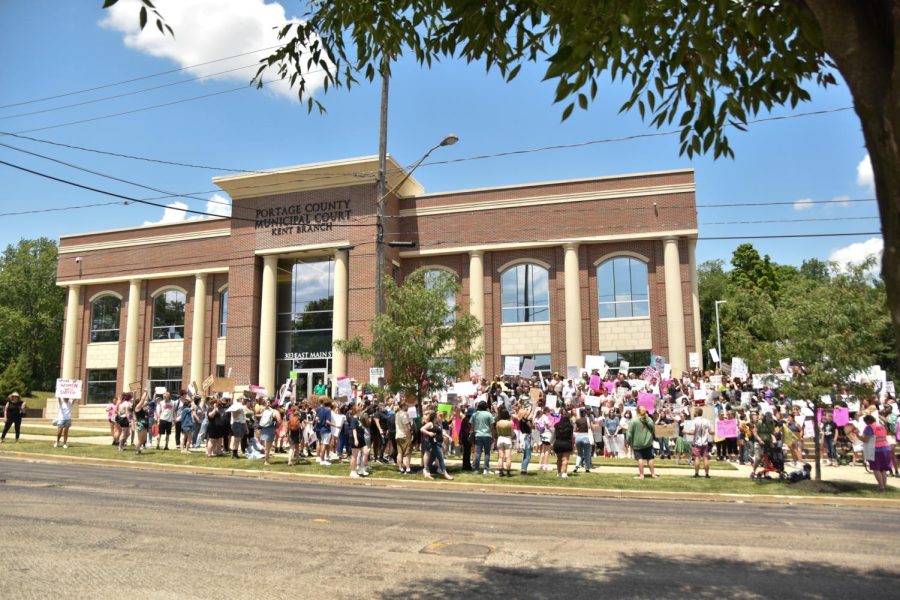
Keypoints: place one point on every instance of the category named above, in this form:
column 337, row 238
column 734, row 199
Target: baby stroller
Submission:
column 773, row 462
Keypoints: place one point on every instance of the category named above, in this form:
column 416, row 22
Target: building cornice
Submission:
column 143, row 241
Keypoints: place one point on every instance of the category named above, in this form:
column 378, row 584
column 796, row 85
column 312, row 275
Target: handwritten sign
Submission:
column 727, row 428
column 739, row 368
column 595, row 383
column 648, row 401
column 344, row 388
column 623, row 366
column 527, row 368
column 535, row 394
column 714, row 355
column 511, row 365
column 592, row 401
column 573, row 372
column 694, row 360
column 223, row 384
column 592, row 362
column 68, row 388
column 715, row 380
column 650, row 373
column 841, row 416
column 668, row 430
column 375, row 375
column 465, row 388
column 207, row 383
column 159, row 390
column 445, row 408
column 551, row 401
column 135, row 387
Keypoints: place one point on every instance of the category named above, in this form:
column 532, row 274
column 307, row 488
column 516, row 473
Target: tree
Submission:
column 425, row 340
column 752, row 272
column 706, row 66
column 31, row 310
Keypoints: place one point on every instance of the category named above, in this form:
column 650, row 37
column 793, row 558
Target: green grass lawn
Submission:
column 38, row 399
column 597, row 479
column 50, row 430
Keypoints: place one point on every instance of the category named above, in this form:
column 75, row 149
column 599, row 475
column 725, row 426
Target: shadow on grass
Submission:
column 654, row 576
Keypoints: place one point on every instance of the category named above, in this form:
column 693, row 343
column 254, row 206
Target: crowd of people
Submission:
column 614, row 416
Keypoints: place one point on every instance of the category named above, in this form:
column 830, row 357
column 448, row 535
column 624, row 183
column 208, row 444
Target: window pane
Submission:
column 607, row 311
column 526, row 289
column 101, row 385
column 105, row 319
column 167, row 377
column 168, row 315
column 622, row 275
column 605, row 285
column 641, row 309
column 623, row 309
column 639, row 287
column 622, row 288
column 223, row 313
column 540, row 288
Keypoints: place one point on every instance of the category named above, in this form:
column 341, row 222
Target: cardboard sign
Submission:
column 841, row 416
column 527, row 368
column 623, row 366
column 207, row 383
column 694, row 360
column 727, row 428
column 375, row 375
column 135, row 388
column 714, row 355
column 511, row 365
column 535, row 394
column 669, row 430
column 592, row 362
column 573, row 373
column 223, row 384
column 648, row 401
column 68, row 388
column 739, row 368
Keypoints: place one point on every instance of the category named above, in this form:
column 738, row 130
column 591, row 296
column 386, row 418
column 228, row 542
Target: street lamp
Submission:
column 718, row 332
column 379, row 216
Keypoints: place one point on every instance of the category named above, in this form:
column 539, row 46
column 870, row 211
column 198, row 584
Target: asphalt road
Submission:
column 94, row 532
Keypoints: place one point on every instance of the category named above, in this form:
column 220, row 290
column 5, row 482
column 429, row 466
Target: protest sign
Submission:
column 758, row 381
column 475, row 371
column 375, row 375
column 603, row 370
column 650, row 373
column 511, row 365
column 727, row 428
column 700, row 394
column 715, row 380
column 67, row 388
column 527, row 368
column 535, row 394
column 592, row 401
column 592, row 362
column 746, row 397
column 765, row 407
column 785, row 365
column 667, row 371
column 841, row 416
column 223, row 384
column 623, row 366
column 739, row 368
column 465, row 388
column 159, row 390
column 551, row 401
column 595, row 383
column 609, row 387
column 258, row 389
column 657, row 361
column 344, row 388
column 668, row 430
column 889, row 387
column 135, row 388
column 694, row 360
column 445, row 408
column 648, row 401
column 808, row 430
column 207, row 383
column 714, row 355
column 573, row 373
column 411, row 412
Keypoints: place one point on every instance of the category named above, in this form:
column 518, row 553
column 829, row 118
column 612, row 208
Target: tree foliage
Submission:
column 31, row 311
column 424, row 339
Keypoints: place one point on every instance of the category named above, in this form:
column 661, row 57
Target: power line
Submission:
column 46, row 210
column 790, row 220
column 108, row 85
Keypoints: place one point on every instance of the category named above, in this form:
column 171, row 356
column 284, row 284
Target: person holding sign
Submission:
column 641, row 431
column 63, row 421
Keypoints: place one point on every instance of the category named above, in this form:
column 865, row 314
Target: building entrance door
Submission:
column 307, row 380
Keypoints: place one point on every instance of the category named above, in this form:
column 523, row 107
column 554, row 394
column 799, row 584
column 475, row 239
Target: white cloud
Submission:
column 207, row 30
column 217, row 205
column 858, row 252
column 842, row 200
column 864, row 175
column 804, row 204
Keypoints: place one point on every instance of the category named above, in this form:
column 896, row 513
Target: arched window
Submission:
column 223, row 312
column 622, row 288
column 105, row 319
column 431, row 278
column 524, row 295
column 168, row 315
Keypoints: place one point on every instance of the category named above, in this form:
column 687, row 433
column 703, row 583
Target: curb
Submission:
column 473, row 487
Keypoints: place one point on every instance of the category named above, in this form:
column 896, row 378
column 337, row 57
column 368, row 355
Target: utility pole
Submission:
column 380, row 191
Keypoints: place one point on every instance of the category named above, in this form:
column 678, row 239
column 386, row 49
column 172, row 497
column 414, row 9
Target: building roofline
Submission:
column 143, row 227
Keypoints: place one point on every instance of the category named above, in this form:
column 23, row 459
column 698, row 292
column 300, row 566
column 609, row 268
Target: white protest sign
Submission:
column 465, row 388
column 700, row 394
column 527, row 368
column 375, row 375
column 551, row 401
column 765, row 407
column 344, row 388
column 825, row 399
column 592, row 401
column 623, row 366
column 573, row 373
column 715, row 380
column 68, row 388
column 739, row 368
column 746, row 397
column 159, row 390
column 511, row 365
column 808, row 430
column 667, row 371
column 889, row 387
column 694, row 360
column 592, row 362
column 714, row 355
column 758, row 381
column 603, row 370
column 785, row 365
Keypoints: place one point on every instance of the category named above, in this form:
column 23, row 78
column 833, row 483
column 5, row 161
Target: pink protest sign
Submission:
column 595, row 382
column 841, row 416
column 610, row 386
column 648, row 401
column 727, row 428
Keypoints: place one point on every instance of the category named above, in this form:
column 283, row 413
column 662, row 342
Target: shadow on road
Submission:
column 653, row 576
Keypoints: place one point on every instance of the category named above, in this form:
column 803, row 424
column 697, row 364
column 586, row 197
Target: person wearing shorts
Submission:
column 504, row 427
column 63, row 422
column 700, row 448
column 640, row 434
column 323, row 431
column 879, row 453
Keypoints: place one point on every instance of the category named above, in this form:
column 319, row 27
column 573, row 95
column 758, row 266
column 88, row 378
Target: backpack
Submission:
column 266, row 418
column 294, row 423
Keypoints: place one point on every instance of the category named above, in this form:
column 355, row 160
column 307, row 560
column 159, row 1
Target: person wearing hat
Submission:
column 12, row 414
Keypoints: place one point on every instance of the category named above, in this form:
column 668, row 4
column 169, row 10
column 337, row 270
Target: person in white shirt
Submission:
column 165, row 415
column 702, row 436
column 568, row 391
column 63, row 422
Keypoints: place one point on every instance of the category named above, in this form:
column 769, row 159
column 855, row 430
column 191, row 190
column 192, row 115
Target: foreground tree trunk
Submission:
column 861, row 38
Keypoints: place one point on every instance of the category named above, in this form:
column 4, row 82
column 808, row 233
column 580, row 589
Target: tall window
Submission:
column 541, row 363
column 622, row 288
column 637, row 360
column 223, row 313
column 105, row 319
column 101, row 385
column 431, row 278
column 305, row 315
column 168, row 315
column 167, row 377
column 524, row 295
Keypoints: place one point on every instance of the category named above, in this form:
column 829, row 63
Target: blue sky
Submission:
column 53, row 47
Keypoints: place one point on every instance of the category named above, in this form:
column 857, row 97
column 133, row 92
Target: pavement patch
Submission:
column 458, row 550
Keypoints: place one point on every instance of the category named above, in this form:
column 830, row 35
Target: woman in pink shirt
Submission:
column 881, row 463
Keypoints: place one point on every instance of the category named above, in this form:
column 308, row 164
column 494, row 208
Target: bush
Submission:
column 15, row 378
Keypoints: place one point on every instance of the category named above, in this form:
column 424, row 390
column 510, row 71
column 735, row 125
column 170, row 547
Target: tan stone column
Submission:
column 70, row 345
column 198, row 333
column 476, row 293
column 574, row 348
column 267, row 322
column 339, row 321
column 695, row 297
column 131, row 333
column 674, row 306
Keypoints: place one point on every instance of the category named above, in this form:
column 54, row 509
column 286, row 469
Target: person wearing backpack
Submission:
column 268, row 420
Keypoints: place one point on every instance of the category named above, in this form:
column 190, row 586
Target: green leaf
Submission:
column 514, row 72
column 568, row 111
column 143, row 16
column 108, row 3
column 582, row 101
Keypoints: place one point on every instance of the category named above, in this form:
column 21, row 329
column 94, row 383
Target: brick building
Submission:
column 553, row 270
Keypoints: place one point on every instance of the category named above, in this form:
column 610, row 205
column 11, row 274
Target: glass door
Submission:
column 308, row 379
